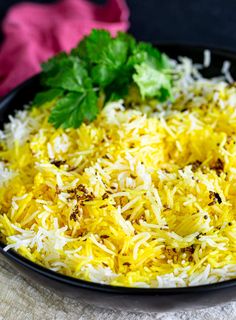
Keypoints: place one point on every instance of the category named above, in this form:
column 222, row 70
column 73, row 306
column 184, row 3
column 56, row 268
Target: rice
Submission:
column 207, row 58
column 140, row 198
column 226, row 71
column 5, row 174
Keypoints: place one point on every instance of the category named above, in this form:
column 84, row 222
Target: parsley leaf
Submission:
column 145, row 52
column 93, row 46
column 104, row 55
column 74, row 108
column 150, row 75
column 114, row 57
column 69, row 81
column 99, row 69
column 46, row 96
column 67, row 73
column 151, row 81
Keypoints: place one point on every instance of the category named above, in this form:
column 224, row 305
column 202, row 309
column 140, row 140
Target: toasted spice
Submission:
column 82, row 188
column 104, row 236
column 74, row 213
column 57, row 189
column 195, row 165
column 105, row 196
column 215, row 198
column 218, row 166
column 103, row 206
column 89, row 197
column 190, row 249
column 57, row 163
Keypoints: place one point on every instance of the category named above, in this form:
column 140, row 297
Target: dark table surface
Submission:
column 207, row 22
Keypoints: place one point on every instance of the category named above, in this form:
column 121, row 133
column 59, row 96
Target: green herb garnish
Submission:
column 101, row 65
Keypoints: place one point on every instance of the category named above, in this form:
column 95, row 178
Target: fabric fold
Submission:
column 35, row 32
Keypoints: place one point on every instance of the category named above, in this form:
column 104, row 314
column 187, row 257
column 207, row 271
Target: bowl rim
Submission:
column 79, row 283
column 106, row 288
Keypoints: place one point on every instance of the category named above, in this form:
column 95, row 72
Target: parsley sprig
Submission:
column 101, row 66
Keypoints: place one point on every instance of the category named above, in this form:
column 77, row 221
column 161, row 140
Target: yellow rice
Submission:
column 142, row 197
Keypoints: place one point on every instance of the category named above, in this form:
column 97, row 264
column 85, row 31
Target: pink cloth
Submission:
column 35, row 32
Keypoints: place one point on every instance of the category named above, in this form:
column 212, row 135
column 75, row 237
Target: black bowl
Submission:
column 135, row 299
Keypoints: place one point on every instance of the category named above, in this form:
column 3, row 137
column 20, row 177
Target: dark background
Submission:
column 208, row 22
